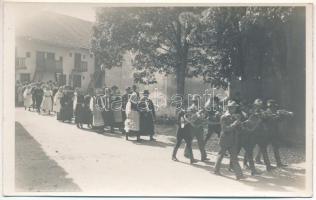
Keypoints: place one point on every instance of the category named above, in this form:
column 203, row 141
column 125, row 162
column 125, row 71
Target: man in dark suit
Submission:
column 230, row 122
column 272, row 118
column 38, row 96
column 183, row 133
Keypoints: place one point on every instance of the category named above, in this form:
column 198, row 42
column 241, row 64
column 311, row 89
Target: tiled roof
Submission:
column 55, row 29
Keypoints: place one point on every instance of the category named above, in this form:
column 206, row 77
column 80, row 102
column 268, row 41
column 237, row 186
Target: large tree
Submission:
column 247, row 33
column 167, row 40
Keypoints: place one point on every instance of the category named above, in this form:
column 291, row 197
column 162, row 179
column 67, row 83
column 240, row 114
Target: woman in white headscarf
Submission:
column 27, row 97
column 132, row 114
column 97, row 106
column 47, row 103
column 57, row 105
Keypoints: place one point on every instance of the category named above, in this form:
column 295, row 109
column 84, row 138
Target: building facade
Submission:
column 53, row 47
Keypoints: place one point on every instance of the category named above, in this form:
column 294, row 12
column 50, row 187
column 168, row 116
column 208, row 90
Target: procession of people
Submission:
column 100, row 109
column 238, row 126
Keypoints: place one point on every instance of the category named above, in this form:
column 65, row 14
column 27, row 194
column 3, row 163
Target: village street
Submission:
column 53, row 156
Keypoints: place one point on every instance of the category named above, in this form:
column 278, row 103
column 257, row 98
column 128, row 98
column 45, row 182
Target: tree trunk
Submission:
column 182, row 53
column 180, row 77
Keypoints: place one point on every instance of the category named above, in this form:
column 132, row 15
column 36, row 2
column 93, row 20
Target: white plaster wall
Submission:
column 31, row 46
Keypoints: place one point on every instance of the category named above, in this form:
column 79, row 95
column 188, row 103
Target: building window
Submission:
column 70, row 54
column 84, row 56
column 28, row 54
column 91, row 55
column 24, row 77
column 61, row 58
column 50, row 56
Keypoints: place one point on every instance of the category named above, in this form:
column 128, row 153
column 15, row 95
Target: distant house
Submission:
column 55, row 47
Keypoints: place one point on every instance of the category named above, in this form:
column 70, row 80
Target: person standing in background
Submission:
column 147, row 116
column 27, row 96
column 97, row 106
column 116, row 107
column 38, row 93
column 57, row 105
column 125, row 98
column 107, row 112
column 87, row 111
column 47, row 104
column 131, row 123
column 79, row 114
column 66, row 111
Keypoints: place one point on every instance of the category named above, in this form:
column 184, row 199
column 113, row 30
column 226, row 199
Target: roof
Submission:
column 55, row 29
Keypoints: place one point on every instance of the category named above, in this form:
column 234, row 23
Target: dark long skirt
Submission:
column 66, row 113
column 86, row 115
column 79, row 113
column 147, row 126
column 108, row 118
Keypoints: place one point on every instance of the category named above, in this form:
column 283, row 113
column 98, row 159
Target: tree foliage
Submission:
column 187, row 41
column 238, row 29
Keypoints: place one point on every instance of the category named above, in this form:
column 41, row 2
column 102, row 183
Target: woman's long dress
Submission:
column 132, row 115
column 86, row 111
column 27, row 95
column 47, row 104
column 147, row 116
column 79, row 114
column 57, row 106
column 107, row 112
column 97, row 105
column 117, row 111
column 66, row 111
column 20, row 95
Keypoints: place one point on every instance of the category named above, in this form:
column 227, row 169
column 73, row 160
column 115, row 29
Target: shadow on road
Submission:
column 279, row 180
column 34, row 170
column 153, row 143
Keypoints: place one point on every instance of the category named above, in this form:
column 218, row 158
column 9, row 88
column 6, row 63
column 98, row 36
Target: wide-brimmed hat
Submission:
column 195, row 98
column 99, row 91
column 232, row 104
column 128, row 89
column 114, row 87
column 258, row 102
column 146, row 92
column 271, row 102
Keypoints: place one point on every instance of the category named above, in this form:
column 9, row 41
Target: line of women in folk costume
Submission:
column 100, row 109
column 38, row 96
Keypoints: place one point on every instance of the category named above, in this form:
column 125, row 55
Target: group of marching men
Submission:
column 239, row 126
column 101, row 109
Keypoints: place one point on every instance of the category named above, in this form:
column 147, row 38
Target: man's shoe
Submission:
column 269, row 168
column 193, row 161
column 281, row 165
column 246, row 166
column 205, row 159
column 255, row 172
column 217, row 173
column 259, row 162
column 240, row 177
column 174, row 158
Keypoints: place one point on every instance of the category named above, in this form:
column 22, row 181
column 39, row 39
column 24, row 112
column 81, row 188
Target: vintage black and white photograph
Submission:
column 157, row 100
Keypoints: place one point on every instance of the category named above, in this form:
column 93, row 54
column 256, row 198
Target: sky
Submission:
column 82, row 11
